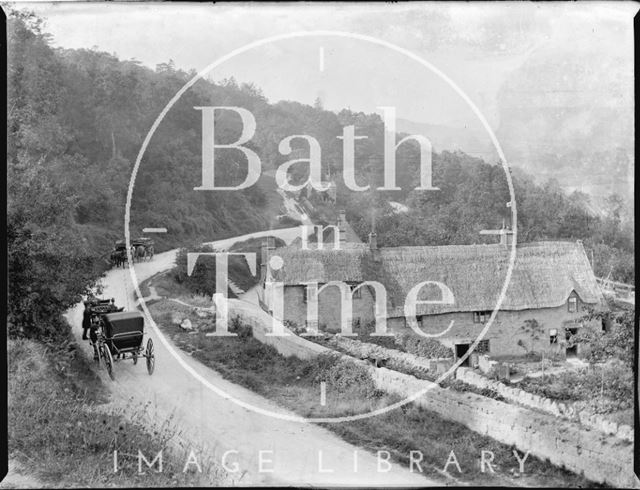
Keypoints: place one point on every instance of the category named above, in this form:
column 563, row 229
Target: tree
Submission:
column 534, row 331
column 615, row 343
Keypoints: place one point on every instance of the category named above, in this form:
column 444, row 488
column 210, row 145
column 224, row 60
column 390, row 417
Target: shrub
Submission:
column 365, row 334
column 532, row 329
column 294, row 327
column 288, row 222
column 614, row 381
column 459, row 385
column 617, row 343
column 243, row 331
column 343, row 375
column 423, row 347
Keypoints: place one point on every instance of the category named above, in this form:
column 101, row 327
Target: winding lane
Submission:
column 215, row 426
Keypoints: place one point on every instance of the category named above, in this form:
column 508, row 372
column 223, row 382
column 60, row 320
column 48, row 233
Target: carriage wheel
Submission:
column 96, row 359
column 151, row 357
column 108, row 360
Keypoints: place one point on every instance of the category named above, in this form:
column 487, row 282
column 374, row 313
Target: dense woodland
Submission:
column 77, row 119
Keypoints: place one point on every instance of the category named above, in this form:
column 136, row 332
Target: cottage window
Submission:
column 553, row 336
column 481, row 316
column 483, row 347
column 573, row 304
column 304, row 294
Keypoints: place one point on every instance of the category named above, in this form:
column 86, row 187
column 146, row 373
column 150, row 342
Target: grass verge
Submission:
column 62, row 432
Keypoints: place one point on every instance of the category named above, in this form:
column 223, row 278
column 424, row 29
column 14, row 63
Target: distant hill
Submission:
column 576, row 162
column 559, row 117
column 469, row 140
column 573, row 124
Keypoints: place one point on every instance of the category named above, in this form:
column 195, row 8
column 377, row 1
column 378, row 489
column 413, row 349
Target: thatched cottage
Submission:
column 551, row 287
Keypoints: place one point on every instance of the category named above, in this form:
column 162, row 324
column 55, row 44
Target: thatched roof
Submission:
column 544, row 273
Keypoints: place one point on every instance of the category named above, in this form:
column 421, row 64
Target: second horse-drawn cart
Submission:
column 118, row 335
column 141, row 249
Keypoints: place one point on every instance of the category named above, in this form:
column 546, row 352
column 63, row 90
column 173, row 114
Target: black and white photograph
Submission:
column 317, row 244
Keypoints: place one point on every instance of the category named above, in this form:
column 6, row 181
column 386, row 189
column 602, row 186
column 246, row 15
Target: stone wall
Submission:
column 601, row 458
column 406, row 362
column 262, row 324
column 558, row 409
column 395, row 359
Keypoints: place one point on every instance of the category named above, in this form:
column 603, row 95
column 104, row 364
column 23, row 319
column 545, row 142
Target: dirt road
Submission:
column 215, row 425
column 286, row 234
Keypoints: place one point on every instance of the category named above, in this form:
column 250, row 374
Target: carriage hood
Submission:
column 125, row 321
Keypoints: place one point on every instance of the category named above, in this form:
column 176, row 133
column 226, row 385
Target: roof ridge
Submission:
column 542, row 273
column 454, row 247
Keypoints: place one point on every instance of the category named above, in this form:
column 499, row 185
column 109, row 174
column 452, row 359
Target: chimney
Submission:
column 373, row 236
column 267, row 246
column 506, row 237
column 373, row 241
column 271, row 243
column 342, row 226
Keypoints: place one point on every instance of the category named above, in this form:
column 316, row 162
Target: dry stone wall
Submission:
column 395, row 359
column 565, row 410
column 262, row 325
column 601, row 458
column 598, row 456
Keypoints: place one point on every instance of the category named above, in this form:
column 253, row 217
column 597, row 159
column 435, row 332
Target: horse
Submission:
column 122, row 258
column 118, row 258
column 140, row 253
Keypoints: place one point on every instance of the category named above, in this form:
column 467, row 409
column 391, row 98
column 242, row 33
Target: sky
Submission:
column 477, row 45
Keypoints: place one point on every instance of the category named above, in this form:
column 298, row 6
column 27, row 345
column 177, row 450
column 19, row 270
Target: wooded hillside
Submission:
column 77, row 119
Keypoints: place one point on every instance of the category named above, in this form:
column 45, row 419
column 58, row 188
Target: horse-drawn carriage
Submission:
column 141, row 248
column 117, row 335
column 119, row 254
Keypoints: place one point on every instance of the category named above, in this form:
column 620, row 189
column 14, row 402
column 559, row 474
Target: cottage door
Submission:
column 461, row 350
